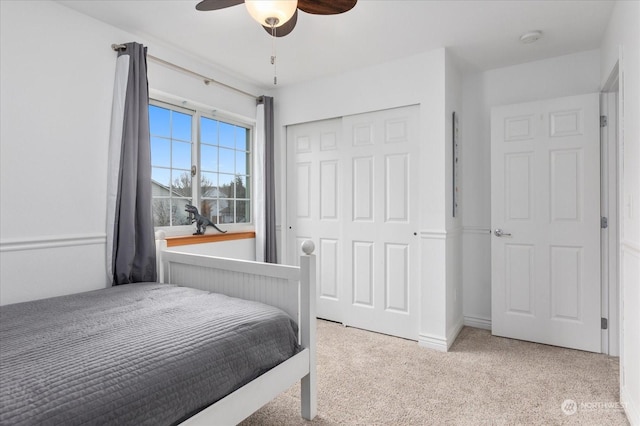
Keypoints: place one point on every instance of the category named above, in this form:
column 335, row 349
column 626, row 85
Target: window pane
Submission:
column 242, row 138
column 160, row 152
column 159, row 121
column 226, row 162
column 161, row 179
column 210, row 209
column 247, row 184
column 226, row 185
column 242, row 162
column 209, row 185
column 208, row 131
column 178, row 215
column 240, row 187
column 181, row 186
column 224, row 152
column 181, row 126
column 226, row 135
column 209, row 158
column 181, row 155
column 227, row 211
column 161, row 212
column 243, row 211
column 170, row 211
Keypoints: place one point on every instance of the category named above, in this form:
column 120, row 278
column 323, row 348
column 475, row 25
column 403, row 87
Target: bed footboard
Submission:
column 289, row 288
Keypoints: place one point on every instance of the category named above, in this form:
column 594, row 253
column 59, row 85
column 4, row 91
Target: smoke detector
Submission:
column 530, row 37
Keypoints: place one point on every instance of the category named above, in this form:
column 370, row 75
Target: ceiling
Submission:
column 480, row 34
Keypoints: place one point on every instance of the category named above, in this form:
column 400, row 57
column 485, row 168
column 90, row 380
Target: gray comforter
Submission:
column 133, row 354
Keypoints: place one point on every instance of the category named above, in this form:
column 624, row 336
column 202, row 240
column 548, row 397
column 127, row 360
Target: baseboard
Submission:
column 477, row 322
column 438, row 343
column 453, row 335
column 631, row 409
column 432, row 342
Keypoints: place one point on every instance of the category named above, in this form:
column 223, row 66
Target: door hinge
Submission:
column 604, row 222
column 603, row 323
column 603, row 121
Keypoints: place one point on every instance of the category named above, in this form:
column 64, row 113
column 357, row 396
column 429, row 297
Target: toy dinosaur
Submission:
column 200, row 221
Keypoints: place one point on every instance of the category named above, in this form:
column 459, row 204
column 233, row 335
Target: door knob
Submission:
column 500, row 233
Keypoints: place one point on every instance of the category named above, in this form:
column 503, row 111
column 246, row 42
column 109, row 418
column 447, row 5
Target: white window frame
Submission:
column 197, row 111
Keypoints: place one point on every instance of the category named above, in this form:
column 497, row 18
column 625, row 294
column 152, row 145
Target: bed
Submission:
column 210, row 343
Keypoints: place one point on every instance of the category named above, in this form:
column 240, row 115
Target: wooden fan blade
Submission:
column 326, row 7
column 205, row 5
column 285, row 29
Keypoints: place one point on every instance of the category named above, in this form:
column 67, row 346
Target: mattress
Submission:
column 135, row 354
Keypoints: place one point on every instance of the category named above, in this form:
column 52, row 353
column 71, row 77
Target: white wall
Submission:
column 56, row 80
column 417, row 80
column 244, row 249
column 556, row 77
column 622, row 44
column 453, row 102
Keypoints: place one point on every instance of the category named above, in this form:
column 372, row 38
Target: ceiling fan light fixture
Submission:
column 273, row 13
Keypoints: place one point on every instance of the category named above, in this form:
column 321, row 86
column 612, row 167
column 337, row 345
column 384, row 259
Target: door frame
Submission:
column 610, row 207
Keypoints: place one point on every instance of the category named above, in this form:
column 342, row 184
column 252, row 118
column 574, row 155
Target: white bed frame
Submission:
column 289, row 288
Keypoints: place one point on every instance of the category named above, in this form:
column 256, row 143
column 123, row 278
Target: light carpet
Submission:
column 367, row 378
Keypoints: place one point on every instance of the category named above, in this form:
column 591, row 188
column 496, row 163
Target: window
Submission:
column 201, row 160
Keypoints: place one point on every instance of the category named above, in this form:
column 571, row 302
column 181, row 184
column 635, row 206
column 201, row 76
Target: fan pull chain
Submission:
column 273, row 55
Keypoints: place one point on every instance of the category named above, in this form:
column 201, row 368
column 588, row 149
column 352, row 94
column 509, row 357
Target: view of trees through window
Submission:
column 223, row 193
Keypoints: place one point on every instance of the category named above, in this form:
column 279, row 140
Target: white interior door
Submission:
column 352, row 188
column 545, row 217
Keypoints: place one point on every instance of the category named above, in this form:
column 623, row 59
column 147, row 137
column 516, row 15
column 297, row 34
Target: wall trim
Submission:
column 439, row 234
column 478, row 322
column 432, row 342
column 438, row 343
column 53, row 241
column 483, row 230
column 433, row 234
column 454, row 232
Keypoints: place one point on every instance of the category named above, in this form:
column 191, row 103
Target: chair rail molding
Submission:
column 476, row 230
column 439, row 234
column 51, row 241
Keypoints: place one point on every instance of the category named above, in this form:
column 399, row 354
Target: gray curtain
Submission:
column 270, row 250
column 131, row 255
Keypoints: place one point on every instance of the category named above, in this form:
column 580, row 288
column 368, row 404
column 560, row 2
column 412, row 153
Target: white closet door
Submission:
column 353, row 189
column 315, row 210
column 382, row 270
column 545, row 215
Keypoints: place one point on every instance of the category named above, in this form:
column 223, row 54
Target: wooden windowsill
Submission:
column 208, row 238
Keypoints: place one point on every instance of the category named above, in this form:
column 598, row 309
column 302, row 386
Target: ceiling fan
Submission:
column 279, row 17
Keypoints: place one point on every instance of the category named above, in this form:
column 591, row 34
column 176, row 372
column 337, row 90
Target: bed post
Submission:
column 161, row 246
column 308, row 383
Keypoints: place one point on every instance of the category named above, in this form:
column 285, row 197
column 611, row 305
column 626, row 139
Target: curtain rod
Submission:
column 205, row 79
